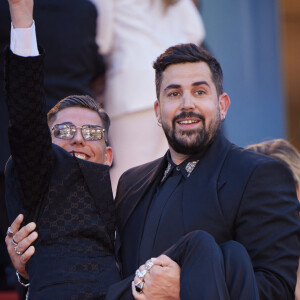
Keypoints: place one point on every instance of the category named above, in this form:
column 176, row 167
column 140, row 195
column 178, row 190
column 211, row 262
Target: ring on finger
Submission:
column 139, row 286
column 9, row 232
column 149, row 264
column 14, row 242
column 18, row 252
column 140, row 274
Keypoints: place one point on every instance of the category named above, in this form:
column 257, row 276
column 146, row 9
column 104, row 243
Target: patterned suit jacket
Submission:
column 70, row 199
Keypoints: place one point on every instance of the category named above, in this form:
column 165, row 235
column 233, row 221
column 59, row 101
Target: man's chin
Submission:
column 186, row 147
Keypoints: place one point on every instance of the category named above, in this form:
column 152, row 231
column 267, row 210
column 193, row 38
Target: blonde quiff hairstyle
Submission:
column 282, row 151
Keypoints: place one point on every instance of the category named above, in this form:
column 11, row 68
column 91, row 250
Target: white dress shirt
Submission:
column 23, row 41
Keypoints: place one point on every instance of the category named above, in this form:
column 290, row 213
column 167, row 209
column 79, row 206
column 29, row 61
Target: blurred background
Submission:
column 258, row 45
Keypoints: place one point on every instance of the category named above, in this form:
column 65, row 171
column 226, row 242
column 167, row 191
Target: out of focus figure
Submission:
column 135, row 33
column 283, row 151
column 68, row 30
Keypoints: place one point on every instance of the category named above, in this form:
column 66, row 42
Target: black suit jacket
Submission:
column 233, row 194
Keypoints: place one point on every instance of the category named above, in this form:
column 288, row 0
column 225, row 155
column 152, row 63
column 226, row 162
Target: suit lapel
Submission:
column 97, row 179
column 142, row 189
column 200, row 196
column 130, row 194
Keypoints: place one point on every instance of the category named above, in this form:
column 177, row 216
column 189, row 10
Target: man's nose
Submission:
column 78, row 138
column 187, row 102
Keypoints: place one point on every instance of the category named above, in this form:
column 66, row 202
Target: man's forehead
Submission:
column 78, row 116
column 186, row 73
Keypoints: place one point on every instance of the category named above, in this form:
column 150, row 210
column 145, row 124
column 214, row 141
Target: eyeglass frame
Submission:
column 77, row 127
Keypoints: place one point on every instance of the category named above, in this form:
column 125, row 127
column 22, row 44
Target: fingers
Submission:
column 13, row 229
column 163, row 260
column 136, row 295
column 139, row 281
column 15, row 226
column 24, row 232
column 26, row 255
column 19, row 244
column 159, row 278
column 26, row 242
column 21, row 239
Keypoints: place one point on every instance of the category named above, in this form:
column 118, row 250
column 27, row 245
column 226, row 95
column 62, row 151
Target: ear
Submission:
column 224, row 102
column 108, row 156
column 157, row 111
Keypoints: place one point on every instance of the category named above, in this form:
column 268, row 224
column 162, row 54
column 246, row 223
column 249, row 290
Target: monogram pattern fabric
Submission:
column 70, row 199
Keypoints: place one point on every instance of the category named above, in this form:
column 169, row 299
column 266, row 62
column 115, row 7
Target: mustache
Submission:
column 189, row 114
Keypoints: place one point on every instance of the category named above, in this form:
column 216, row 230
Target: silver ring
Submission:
column 18, row 252
column 139, row 286
column 9, row 232
column 14, row 242
column 141, row 274
column 149, row 264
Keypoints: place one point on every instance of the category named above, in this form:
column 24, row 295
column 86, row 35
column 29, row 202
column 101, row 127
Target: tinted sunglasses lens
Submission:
column 92, row 132
column 65, row 132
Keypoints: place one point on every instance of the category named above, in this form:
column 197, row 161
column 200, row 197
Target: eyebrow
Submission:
column 172, row 86
column 177, row 86
column 200, row 83
column 65, row 123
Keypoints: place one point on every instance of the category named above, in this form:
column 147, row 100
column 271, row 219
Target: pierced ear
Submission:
column 157, row 111
column 224, row 102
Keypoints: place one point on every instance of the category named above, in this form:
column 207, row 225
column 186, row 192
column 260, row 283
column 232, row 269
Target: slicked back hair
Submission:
column 187, row 53
column 83, row 101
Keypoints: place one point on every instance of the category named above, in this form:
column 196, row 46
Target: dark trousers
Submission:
column 212, row 271
column 208, row 270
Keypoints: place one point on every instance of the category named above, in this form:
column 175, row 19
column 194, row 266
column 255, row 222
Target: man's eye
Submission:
column 200, row 92
column 173, row 94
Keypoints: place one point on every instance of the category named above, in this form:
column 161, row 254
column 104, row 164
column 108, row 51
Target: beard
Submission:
column 192, row 141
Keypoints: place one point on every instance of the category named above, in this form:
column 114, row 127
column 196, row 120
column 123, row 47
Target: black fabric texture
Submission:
column 70, row 199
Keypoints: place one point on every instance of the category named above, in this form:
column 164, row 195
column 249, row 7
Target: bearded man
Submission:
column 226, row 218
column 243, row 205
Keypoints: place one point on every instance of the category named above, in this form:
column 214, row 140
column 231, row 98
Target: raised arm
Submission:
column 21, row 12
column 29, row 136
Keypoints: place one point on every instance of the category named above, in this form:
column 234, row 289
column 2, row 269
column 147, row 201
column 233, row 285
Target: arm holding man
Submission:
column 24, row 237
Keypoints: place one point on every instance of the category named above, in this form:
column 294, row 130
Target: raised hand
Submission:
column 21, row 12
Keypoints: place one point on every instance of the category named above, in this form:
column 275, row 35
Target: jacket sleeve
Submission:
column 29, row 135
column 267, row 224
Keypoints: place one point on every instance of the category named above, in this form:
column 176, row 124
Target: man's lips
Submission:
column 188, row 121
column 186, row 118
column 80, row 155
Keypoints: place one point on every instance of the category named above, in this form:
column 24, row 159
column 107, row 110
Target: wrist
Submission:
column 21, row 17
column 23, row 281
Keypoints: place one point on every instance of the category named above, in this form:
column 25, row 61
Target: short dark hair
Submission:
column 84, row 101
column 185, row 53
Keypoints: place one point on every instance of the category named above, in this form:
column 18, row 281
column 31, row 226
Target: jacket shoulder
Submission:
column 246, row 161
column 140, row 171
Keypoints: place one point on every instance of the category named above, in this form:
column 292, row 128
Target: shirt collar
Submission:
column 186, row 167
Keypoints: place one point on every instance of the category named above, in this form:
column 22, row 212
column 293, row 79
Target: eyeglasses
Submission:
column 67, row 131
